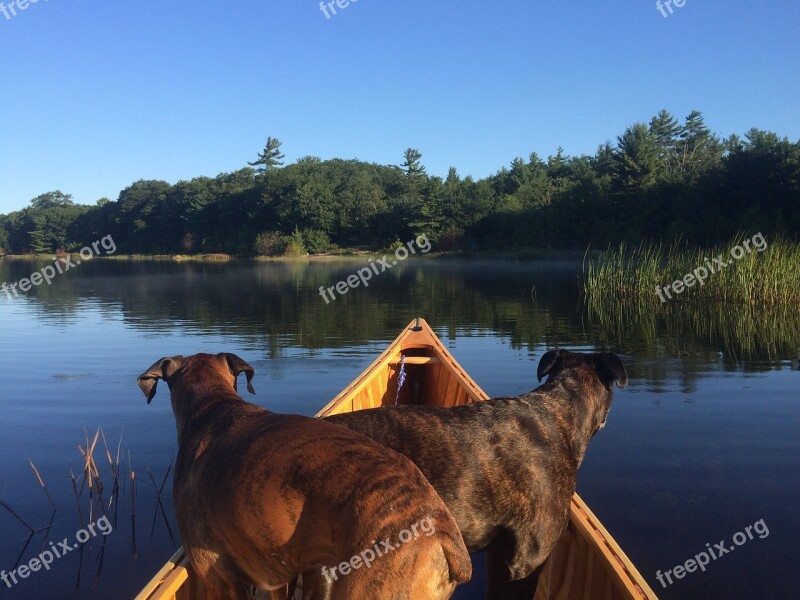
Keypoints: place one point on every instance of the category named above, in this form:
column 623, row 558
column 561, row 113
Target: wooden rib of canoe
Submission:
column 586, row 563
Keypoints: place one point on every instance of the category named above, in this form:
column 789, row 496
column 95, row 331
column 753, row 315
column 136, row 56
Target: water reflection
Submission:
column 276, row 306
column 711, row 399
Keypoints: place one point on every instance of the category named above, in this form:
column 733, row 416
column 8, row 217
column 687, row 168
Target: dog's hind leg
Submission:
column 214, row 580
column 499, row 583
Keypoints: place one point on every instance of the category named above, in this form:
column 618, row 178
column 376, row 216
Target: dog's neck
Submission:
column 192, row 403
column 577, row 421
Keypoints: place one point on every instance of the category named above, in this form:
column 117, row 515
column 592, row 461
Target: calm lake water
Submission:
column 702, row 443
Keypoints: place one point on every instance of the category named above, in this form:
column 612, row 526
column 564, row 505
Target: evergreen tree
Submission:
column 665, row 130
column 605, row 160
column 636, row 158
column 558, row 170
column 270, row 158
column 411, row 163
column 697, row 148
column 661, row 181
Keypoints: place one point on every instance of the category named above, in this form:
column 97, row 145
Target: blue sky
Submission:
column 97, row 95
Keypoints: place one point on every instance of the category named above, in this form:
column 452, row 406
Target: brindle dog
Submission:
column 506, row 467
column 261, row 497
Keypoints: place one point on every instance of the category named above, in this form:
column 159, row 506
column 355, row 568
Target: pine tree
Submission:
column 697, row 147
column 604, row 160
column 270, row 158
column 637, row 158
column 665, row 130
column 411, row 164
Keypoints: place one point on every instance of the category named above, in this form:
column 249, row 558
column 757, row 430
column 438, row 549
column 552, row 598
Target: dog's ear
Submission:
column 163, row 368
column 237, row 366
column 610, row 369
column 547, row 362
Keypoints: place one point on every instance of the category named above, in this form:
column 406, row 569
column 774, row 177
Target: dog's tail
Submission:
column 455, row 550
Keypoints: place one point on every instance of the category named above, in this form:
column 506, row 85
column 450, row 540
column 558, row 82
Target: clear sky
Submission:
column 98, row 94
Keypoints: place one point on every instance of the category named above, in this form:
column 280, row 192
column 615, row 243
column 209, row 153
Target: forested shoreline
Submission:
column 660, row 182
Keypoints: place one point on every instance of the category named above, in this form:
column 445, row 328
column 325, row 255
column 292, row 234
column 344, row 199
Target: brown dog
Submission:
column 261, row 497
column 506, row 467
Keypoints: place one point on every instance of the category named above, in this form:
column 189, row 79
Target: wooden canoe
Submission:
column 586, row 564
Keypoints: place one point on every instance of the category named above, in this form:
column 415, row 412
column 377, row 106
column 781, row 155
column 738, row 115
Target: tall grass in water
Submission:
column 767, row 280
column 746, row 309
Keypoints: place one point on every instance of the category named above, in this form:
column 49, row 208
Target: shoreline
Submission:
column 346, row 254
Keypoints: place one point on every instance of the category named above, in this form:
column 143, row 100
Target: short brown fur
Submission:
column 261, row 497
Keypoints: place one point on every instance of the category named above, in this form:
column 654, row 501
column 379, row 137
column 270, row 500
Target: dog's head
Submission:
column 224, row 367
column 598, row 371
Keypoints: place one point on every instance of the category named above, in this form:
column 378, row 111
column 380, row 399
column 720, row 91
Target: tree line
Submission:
column 661, row 181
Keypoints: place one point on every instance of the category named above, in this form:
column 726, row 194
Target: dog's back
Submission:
column 261, row 497
column 493, row 463
column 322, row 494
column 364, row 491
column 506, row 468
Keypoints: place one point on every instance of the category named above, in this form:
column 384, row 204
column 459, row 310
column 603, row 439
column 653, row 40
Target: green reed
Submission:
column 749, row 308
column 769, row 279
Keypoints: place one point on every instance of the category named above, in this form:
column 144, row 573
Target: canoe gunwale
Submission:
column 413, row 337
column 169, row 579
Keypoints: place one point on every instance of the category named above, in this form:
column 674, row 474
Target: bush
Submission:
column 270, row 243
column 295, row 245
column 316, row 240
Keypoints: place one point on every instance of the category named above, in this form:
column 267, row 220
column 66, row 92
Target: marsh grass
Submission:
column 747, row 309
column 681, row 329
column 90, row 484
column 42, row 483
column 767, row 280
column 14, row 514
